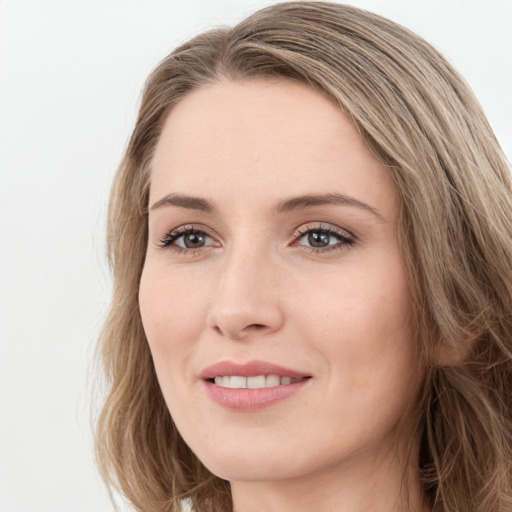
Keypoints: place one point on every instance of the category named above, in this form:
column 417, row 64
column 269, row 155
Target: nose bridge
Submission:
column 247, row 298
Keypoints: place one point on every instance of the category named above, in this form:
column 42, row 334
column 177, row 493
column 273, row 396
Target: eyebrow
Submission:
column 309, row 201
column 287, row 205
column 193, row 203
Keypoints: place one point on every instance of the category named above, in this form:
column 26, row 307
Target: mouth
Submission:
column 255, row 382
column 253, row 385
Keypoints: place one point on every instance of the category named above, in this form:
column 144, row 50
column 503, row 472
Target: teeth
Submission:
column 235, row 382
column 272, row 380
column 258, row 382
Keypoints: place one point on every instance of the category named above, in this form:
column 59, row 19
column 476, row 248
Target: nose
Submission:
column 247, row 300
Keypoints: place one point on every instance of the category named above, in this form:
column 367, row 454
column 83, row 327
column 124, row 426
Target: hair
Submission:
column 421, row 120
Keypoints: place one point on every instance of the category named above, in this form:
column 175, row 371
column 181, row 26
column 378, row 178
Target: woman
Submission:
column 310, row 236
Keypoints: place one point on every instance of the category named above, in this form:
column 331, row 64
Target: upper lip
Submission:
column 249, row 369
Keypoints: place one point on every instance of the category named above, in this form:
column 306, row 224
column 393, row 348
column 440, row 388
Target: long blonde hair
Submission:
column 422, row 121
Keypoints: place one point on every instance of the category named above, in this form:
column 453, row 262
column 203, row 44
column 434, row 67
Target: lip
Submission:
column 249, row 369
column 246, row 399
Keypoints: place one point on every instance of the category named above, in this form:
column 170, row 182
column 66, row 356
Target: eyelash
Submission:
column 168, row 241
column 345, row 240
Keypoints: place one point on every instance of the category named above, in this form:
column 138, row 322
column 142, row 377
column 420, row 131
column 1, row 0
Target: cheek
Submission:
column 372, row 299
column 363, row 325
column 173, row 315
column 171, row 312
column 362, row 330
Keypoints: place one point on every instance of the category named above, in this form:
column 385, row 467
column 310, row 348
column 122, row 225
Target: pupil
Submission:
column 318, row 239
column 193, row 240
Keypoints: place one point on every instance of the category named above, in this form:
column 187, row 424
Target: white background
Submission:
column 71, row 74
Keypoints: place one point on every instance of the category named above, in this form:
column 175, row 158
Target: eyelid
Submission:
column 346, row 239
column 165, row 242
column 322, row 226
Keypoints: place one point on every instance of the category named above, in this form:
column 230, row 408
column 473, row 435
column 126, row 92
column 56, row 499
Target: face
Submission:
column 273, row 296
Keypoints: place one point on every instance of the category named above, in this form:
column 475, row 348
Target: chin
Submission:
column 257, row 465
column 249, row 471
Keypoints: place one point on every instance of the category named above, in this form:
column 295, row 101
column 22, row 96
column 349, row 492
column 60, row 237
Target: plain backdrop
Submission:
column 71, row 73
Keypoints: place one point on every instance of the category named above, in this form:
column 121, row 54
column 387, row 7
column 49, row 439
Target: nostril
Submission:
column 255, row 327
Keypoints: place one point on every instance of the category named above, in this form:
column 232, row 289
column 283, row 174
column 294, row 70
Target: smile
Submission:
column 256, row 382
column 252, row 385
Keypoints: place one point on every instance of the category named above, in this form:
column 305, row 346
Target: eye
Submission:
column 192, row 240
column 186, row 238
column 323, row 238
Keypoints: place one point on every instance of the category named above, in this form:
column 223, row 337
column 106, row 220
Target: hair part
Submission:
column 422, row 121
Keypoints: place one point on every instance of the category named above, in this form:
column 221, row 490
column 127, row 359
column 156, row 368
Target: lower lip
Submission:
column 252, row 399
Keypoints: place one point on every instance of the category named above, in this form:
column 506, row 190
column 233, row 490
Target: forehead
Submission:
column 271, row 138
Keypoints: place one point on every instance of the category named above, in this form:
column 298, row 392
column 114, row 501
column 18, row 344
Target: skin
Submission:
column 257, row 289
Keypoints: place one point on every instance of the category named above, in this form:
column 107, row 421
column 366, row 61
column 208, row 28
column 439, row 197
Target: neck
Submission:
column 370, row 485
